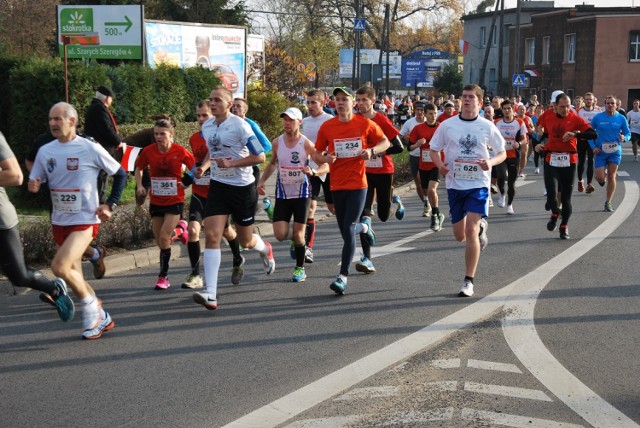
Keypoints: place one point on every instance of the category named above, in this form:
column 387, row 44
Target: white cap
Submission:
column 554, row 95
column 293, row 113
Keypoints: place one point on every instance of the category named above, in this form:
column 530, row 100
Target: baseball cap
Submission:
column 449, row 104
column 420, row 104
column 293, row 113
column 344, row 90
column 107, row 92
column 554, row 95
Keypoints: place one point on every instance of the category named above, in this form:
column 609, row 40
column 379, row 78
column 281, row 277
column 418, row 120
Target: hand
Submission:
column 307, row 170
column 596, row 151
column 568, row 136
column 444, row 169
column 34, row 185
column 141, row 191
column 260, row 188
column 104, row 212
column 484, row 164
column 366, row 154
column 198, row 172
column 223, row 163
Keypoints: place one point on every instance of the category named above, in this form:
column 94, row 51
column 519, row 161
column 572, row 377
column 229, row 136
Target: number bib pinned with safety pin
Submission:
column 291, row 175
column 467, row 170
column 560, row 160
column 610, row 147
column 66, row 200
column 348, row 147
column 164, row 186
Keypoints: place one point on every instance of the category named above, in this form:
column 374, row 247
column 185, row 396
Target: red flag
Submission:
column 129, row 156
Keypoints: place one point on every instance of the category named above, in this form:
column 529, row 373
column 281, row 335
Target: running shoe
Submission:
column 299, row 275
column 292, row 250
column 369, row 234
column 365, row 265
column 553, row 221
column 436, row 222
column 47, row 298
column 564, row 232
column 501, row 201
column 99, row 269
column 192, row 281
column 484, row 239
column 268, row 261
column 237, row 273
column 63, row 303
column 400, row 208
column 494, row 189
column 308, row 255
column 590, row 188
column 268, row 207
column 103, row 324
column 205, row 299
column 607, row 207
column 427, row 210
column 537, row 171
column 580, row 186
column 338, row 286
column 467, row 289
column 490, row 202
column 510, row 210
column 635, row 158
column 184, row 236
column 162, row 283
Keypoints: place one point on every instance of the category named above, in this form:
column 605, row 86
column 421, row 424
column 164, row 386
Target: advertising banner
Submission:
column 420, row 68
column 369, row 56
column 218, row 48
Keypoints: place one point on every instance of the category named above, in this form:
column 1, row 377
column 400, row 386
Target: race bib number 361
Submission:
column 164, row 186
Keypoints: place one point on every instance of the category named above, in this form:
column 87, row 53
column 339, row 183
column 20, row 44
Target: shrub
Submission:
column 265, row 106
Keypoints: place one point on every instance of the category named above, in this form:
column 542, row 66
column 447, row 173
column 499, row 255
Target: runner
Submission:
column 165, row 160
column 633, row 116
column 291, row 152
column 12, row 264
column 514, row 132
column 233, row 151
column 349, row 140
column 414, row 155
column 585, row 153
column 429, row 174
column 563, row 127
column 612, row 129
column 524, row 144
column 70, row 164
column 320, row 180
column 465, row 141
column 379, row 171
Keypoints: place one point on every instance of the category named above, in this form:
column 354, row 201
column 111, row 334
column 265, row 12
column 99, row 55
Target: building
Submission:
column 581, row 49
column 477, row 32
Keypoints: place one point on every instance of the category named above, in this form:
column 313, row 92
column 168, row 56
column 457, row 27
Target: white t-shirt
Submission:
column 588, row 114
column 634, row 121
column 406, row 130
column 309, row 128
column 232, row 139
column 71, row 170
column 464, row 143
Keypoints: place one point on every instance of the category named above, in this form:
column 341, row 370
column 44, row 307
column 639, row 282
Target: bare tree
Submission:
column 28, row 27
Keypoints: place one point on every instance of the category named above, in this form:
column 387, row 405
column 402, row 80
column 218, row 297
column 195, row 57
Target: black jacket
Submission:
column 99, row 125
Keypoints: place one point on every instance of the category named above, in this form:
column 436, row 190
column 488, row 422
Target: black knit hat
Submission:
column 107, row 92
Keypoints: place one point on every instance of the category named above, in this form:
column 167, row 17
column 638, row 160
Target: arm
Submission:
column 269, row 169
column 396, row 146
column 11, row 174
column 264, row 141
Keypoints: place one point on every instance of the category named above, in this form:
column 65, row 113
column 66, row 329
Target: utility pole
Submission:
column 500, row 48
column 355, row 73
column 386, row 44
column 487, row 48
column 516, row 65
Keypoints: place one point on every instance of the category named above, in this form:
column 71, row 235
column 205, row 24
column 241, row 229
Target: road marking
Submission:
column 512, row 420
column 506, row 391
column 490, row 365
column 521, row 335
column 368, row 392
column 445, row 385
column 406, row 418
column 450, row 363
column 296, row 402
column 623, row 174
column 336, row 421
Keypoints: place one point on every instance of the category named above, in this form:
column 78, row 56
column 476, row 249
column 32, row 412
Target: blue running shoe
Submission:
column 400, row 208
column 370, row 234
column 63, row 303
column 365, row 265
column 103, row 324
column 338, row 286
column 299, row 275
column 268, row 207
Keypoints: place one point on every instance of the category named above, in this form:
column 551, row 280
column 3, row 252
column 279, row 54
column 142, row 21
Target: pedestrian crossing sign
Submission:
column 519, row 80
column 359, row 24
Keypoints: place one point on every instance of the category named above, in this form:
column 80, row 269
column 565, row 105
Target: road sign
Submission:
column 518, row 80
column 360, row 24
column 119, row 29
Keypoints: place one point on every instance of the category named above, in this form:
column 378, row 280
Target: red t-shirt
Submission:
column 383, row 164
column 555, row 127
column 444, row 116
column 348, row 172
column 511, row 132
column 199, row 149
column 423, row 130
column 165, row 170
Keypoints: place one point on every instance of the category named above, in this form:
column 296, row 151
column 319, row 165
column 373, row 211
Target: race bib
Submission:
column 164, row 186
column 508, row 145
column 560, row 159
column 403, row 117
column 291, row 175
column 348, row 147
column 204, row 180
column 66, row 200
column 610, row 147
column 425, row 155
column 216, row 171
column 375, row 162
column 467, row 170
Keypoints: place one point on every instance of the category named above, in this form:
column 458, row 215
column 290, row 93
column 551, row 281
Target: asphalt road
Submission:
column 550, row 339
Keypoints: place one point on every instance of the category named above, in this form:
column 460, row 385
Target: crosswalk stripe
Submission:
column 506, row 391
column 450, row 363
column 490, row 365
column 368, row 392
column 513, row 420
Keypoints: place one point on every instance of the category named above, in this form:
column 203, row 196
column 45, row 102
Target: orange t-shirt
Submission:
column 424, row 130
column 347, row 140
column 199, row 149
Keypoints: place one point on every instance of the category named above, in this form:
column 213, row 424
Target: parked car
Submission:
column 228, row 77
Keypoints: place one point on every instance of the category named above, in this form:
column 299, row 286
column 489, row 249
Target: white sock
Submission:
column 343, row 278
column 95, row 256
column 260, row 245
column 361, row 228
column 211, row 260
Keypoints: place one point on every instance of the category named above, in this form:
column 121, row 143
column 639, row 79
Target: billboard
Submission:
column 218, row 48
column 369, row 56
column 420, row 68
column 119, row 30
column 255, row 57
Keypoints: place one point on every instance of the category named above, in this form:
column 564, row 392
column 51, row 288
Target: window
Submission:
column 570, row 48
column 634, row 47
column 546, row 50
column 483, row 36
column 530, row 51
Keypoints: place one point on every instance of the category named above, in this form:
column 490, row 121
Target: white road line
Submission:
column 623, row 174
column 444, row 385
column 368, row 392
column 451, row 363
column 407, row 418
column 491, row 365
column 513, row 420
column 521, row 335
column 506, row 391
column 334, row 422
column 296, row 402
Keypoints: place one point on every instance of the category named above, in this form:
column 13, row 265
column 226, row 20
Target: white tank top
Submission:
column 291, row 182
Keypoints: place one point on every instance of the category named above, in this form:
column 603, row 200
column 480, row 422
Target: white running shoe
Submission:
column 501, row 201
column 467, row 289
column 510, row 210
column 484, row 239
